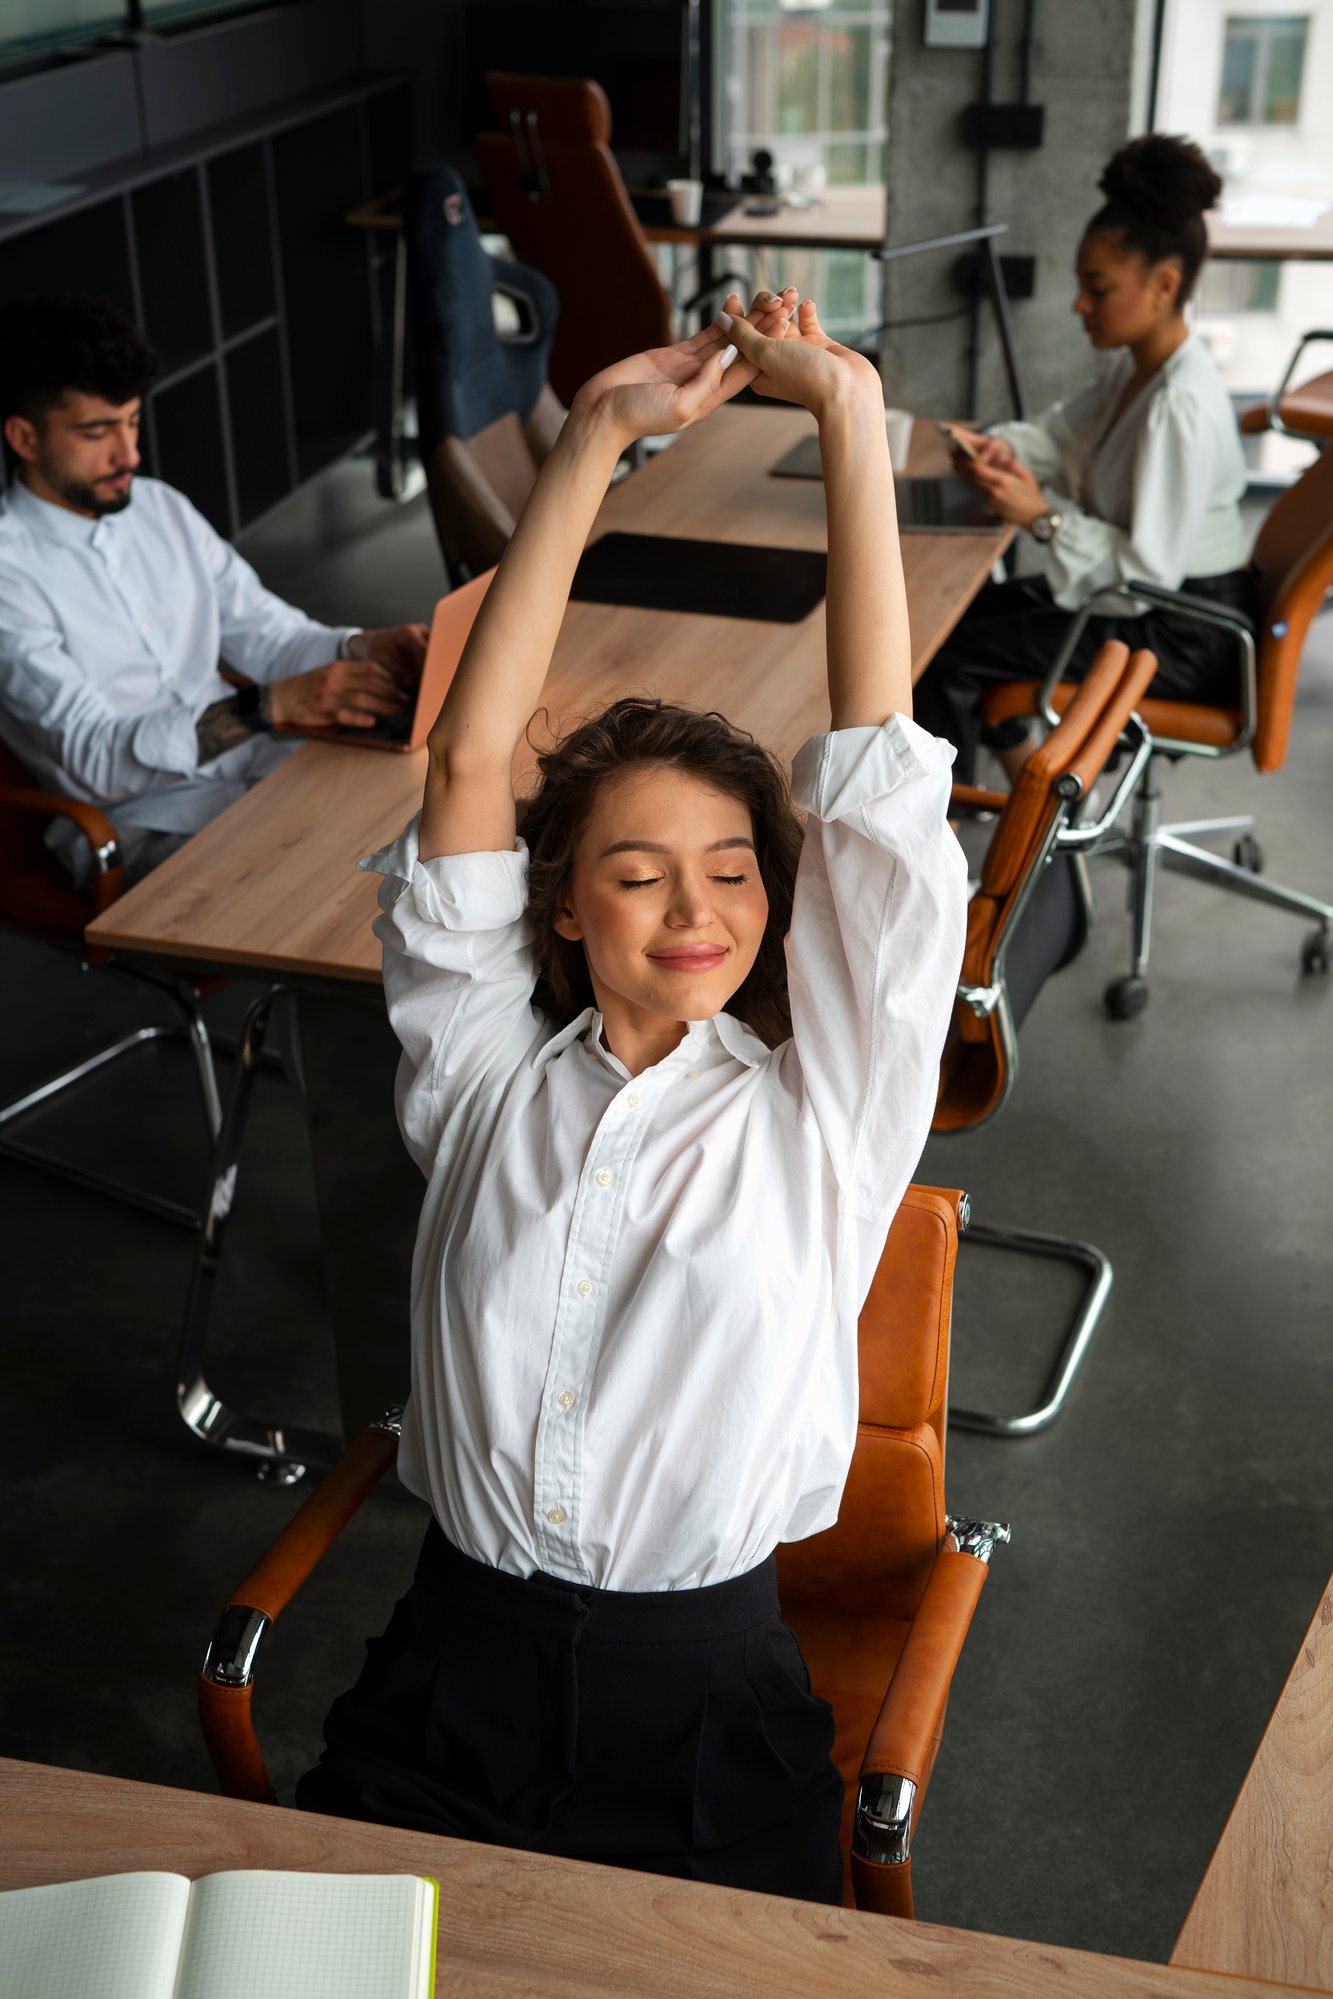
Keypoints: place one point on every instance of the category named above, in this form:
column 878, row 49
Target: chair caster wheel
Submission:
column 1248, row 854
column 1126, row 997
column 1314, row 952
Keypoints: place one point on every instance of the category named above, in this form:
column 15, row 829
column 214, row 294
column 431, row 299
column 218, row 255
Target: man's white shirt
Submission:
column 111, row 634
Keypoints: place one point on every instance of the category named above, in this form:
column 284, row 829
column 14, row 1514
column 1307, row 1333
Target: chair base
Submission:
column 190, row 1029
column 1066, row 1249
column 1149, row 845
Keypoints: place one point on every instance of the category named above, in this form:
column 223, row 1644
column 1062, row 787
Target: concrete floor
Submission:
column 1171, row 1533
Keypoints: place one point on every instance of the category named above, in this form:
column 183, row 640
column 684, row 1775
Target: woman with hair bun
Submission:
column 1138, row 475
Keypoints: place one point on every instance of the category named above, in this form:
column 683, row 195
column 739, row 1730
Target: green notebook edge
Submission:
column 434, row 1886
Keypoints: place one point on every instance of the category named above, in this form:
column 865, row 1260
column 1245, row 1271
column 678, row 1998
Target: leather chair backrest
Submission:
column 572, row 219
column 1294, row 557
column 891, row 1521
column 35, row 893
column 974, row 1071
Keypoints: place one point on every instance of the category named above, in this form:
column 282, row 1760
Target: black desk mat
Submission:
column 712, row 579
column 654, row 210
column 925, row 505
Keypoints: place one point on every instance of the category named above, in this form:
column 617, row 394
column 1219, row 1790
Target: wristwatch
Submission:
column 252, row 708
column 1046, row 526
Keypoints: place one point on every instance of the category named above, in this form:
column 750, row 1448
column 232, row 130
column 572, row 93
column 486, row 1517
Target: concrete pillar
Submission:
column 1084, row 71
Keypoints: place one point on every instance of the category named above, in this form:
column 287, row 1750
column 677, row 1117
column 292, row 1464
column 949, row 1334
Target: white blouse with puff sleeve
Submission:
column 634, row 1298
column 1154, row 493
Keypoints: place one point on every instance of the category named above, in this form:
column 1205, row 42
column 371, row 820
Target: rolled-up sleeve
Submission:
column 458, row 977
column 874, row 950
column 58, row 713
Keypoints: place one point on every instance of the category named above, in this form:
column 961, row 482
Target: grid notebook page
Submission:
column 115, row 1938
column 306, row 1936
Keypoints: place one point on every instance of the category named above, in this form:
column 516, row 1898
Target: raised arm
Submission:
column 469, row 801
column 869, row 643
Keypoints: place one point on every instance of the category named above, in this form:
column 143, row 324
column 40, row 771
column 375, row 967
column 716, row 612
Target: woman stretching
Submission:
column 1139, row 475
column 661, row 1163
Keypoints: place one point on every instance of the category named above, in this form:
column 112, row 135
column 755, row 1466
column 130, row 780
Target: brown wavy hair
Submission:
column 631, row 734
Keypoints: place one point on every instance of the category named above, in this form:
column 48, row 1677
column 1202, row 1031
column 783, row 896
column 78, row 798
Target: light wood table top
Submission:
column 516, row 1925
column 1281, row 244
column 1265, row 1906
column 272, row 886
column 842, row 218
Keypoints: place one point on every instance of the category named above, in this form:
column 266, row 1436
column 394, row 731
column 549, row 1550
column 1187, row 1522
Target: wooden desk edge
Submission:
column 54, row 1812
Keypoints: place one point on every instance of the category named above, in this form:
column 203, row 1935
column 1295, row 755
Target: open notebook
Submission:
column 227, row 1936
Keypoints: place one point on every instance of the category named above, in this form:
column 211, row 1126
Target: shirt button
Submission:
column 556, row 1515
column 566, row 1398
column 584, row 1286
column 633, row 1100
column 693, row 1075
column 604, row 1179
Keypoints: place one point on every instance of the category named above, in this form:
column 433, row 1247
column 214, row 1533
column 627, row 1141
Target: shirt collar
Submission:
column 701, row 1037
column 56, row 523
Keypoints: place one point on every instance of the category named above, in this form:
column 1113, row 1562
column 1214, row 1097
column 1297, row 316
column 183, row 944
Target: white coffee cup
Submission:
column 898, row 431
column 809, row 177
column 687, row 202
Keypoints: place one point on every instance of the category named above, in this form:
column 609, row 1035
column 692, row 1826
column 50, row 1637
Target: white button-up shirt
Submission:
column 110, row 636
column 1154, row 492
column 634, row 1298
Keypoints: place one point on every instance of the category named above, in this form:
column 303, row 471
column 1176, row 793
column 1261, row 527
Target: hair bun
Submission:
column 1167, row 181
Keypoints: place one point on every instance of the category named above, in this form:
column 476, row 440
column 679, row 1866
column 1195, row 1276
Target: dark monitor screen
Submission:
column 639, row 52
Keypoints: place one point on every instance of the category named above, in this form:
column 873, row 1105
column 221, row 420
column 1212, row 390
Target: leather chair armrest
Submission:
column 975, row 798
column 901, row 1751
column 96, row 828
column 226, row 1682
column 545, row 422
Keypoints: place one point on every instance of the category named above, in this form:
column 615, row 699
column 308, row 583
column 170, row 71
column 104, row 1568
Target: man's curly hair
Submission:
column 633, row 734
column 53, row 344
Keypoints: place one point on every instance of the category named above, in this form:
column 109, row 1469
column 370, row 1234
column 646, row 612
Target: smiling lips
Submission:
column 692, row 958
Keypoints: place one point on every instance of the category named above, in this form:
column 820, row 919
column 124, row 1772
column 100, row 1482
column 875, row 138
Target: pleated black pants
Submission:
column 1014, row 631
column 671, row 1732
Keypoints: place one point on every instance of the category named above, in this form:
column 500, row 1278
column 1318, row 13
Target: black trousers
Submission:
column 1013, row 631
column 675, row 1733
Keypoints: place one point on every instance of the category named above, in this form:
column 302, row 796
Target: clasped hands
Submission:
column 1004, row 480
column 778, row 347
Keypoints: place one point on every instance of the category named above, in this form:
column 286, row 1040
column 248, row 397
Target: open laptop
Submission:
column 926, row 505
column 409, row 729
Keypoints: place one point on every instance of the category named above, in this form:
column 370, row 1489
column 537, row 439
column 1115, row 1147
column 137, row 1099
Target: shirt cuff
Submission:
column 835, row 774
column 482, row 891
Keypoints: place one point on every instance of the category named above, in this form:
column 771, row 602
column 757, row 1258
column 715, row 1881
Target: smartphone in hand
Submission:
column 958, row 442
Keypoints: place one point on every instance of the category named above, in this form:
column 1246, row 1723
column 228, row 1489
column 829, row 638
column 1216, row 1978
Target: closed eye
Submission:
column 732, row 881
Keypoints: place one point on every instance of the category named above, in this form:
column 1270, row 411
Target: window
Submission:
column 1263, row 62
column 1234, row 286
column 808, row 84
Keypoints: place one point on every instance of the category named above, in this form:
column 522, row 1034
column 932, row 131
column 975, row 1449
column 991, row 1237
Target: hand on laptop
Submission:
column 399, row 648
column 349, row 694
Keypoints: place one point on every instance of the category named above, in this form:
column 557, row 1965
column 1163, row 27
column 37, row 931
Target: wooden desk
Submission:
column 1313, row 244
column 271, row 885
column 515, row 1925
column 1265, row 1906
column 842, row 218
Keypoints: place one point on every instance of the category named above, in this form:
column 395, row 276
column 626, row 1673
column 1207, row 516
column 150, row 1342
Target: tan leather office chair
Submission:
column 1293, row 558
column 557, row 192
column 881, row 1603
column 1305, row 411
column 37, row 900
column 1028, row 917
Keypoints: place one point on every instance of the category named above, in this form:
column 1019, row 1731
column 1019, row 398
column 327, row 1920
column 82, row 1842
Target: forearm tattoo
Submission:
column 221, row 728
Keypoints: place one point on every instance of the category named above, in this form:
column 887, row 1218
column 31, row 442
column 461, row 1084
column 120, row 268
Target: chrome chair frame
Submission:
column 280, row 1453
column 1150, row 844
column 191, row 1028
column 1074, row 838
column 1310, row 339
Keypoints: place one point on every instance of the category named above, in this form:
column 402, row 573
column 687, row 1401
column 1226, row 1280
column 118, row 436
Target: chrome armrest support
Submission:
column 882, row 1833
column 983, row 1000
column 1086, row 833
column 107, row 856
column 391, row 1420
column 1275, row 422
column 964, row 1536
column 234, row 1647
column 1200, row 609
